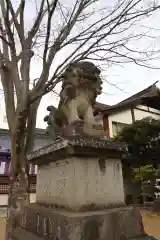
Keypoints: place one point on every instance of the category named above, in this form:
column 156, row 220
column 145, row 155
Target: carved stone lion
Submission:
column 80, row 86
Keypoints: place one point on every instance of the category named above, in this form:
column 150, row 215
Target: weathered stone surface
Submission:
column 115, row 224
column 79, row 129
column 87, row 174
column 21, row 234
column 73, row 146
column 81, row 184
column 81, row 84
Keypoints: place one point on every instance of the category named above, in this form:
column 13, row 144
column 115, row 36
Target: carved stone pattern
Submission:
column 81, row 84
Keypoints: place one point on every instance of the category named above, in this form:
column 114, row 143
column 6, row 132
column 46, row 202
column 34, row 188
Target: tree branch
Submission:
column 22, row 18
column 19, row 29
column 57, row 43
column 9, row 33
column 31, row 124
column 37, row 22
column 8, row 87
column 51, row 10
column 4, row 39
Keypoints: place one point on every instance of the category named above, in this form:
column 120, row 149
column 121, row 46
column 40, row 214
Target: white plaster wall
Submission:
column 126, row 117
column 4, row 198
column 141, row 114
column 148, row 109
column 142, row 107
column 76, row 182
column 154, row 110
column 122, row 116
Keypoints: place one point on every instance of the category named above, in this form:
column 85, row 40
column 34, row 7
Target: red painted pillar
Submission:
column 106, row 126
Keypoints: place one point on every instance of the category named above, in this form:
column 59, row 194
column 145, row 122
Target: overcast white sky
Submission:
column 123, row 80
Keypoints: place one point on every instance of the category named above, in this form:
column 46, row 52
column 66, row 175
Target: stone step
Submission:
column 21, row 234
column 96, row 225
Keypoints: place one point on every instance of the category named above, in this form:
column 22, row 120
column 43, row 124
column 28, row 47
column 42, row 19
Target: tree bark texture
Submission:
column 21, row 110
column 18, row 193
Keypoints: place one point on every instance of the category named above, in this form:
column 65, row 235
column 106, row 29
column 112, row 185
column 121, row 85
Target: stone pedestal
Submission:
column 80, row 193
column 42, row 222
column 81, row 183
column 79, row 174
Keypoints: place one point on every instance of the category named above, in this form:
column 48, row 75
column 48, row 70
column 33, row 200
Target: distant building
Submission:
column 5, row 147
column 145, row 103
column 5, row 154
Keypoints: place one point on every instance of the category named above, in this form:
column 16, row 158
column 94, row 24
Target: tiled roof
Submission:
column 150, row 94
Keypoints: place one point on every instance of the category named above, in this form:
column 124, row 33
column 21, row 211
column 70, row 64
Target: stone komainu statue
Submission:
column 80, row 86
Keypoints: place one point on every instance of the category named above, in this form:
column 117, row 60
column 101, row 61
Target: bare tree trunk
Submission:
column 15, row 66
column 18, row 197
column 22, row 140
column 18, row 194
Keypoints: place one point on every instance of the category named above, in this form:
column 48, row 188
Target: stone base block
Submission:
column 114, row 224
column 81, row 184
column 78, row 128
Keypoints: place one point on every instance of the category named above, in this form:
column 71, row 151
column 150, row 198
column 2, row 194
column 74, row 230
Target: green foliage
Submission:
column 147, row 172
column 147, row 175
column 140, row 131
column 142, row 137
